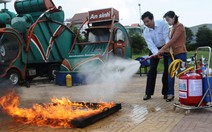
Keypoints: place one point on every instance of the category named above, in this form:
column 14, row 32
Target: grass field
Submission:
column 190, row 54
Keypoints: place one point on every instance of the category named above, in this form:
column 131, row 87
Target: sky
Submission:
column 190, row 12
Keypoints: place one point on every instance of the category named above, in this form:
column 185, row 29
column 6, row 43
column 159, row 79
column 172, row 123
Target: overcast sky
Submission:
column 191, row 12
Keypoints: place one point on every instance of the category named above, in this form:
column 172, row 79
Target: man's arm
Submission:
column 151, row 46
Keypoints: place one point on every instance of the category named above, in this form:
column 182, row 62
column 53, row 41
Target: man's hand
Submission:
column 161, row 52
column 153, row 56
column 160, row 56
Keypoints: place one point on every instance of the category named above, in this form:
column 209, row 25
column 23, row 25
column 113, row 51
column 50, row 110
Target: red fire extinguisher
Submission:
column 190, row 89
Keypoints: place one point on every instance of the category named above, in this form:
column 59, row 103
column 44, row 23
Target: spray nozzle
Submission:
column 183, row 66
column 203, row 59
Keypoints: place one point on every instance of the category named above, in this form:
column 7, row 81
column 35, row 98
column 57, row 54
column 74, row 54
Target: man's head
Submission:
column 148, row 19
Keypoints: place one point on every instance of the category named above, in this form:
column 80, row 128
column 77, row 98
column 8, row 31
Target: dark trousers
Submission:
column 183, row 57
column 152, row 74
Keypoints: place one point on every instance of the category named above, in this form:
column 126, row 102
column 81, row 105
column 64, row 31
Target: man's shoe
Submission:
column 170, row 98
column 146, row 97
column 165, row 97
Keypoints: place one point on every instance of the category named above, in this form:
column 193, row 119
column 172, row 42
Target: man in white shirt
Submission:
column 156, row 35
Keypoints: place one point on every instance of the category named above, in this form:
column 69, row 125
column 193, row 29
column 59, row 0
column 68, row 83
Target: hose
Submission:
column 175, row 66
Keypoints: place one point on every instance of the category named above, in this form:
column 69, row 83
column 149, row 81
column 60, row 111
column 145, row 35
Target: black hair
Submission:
column 172, row 15
column 147, row 14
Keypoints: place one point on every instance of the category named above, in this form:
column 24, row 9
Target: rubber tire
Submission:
column 15, row 72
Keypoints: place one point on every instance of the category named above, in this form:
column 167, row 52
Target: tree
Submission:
column 80, row 38
column 189, row 35
column 204, row 36
column 189, row 38
column 138, row 43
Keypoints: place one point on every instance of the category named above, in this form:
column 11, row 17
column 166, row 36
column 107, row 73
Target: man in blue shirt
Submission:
column 156, row 35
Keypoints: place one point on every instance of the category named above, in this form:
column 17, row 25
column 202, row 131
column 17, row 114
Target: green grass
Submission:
column 190, row 54
column 200, row 53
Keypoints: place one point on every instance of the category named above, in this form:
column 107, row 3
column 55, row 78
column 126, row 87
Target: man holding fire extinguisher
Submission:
column 156, row 35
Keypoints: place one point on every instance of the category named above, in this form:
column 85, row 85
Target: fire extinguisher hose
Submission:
column 175, row 66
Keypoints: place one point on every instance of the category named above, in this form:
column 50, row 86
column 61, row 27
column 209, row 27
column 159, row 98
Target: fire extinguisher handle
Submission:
column 205, row 48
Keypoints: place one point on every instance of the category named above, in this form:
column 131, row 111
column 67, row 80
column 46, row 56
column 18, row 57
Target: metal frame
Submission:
column 110, row 27
column 85, row 121
column 188, row 108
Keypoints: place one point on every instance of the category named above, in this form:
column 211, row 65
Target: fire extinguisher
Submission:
column 190, row 89
column 68, row 80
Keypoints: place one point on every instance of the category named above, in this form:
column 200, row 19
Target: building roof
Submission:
column 78, row 18
column 135, row 25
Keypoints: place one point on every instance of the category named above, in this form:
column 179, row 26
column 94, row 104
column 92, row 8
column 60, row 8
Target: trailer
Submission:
column 34, row 42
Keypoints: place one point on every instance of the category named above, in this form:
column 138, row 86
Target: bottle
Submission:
column 68, row 80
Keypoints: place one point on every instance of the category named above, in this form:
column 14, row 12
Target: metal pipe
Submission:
column 78, row 32
column 139, row 5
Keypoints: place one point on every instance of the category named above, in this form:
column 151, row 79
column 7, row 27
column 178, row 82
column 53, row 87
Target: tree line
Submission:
column 203, row 37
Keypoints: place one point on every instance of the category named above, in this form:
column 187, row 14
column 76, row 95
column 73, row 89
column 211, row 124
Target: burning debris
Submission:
column 60, row 113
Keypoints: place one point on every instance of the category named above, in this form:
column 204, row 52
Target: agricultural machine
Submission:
column 35, row 42
column 105, row 39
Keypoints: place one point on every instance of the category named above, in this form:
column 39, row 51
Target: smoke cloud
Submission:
column 108, row 79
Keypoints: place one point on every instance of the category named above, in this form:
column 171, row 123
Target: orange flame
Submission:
column 58, row 113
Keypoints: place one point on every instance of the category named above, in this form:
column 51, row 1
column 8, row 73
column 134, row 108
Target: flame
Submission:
column 59, row 113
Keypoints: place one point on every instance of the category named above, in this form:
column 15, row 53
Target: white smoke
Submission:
column 5, row 86
column 107, row 80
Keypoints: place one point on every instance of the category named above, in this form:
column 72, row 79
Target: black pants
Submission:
column 152, row 74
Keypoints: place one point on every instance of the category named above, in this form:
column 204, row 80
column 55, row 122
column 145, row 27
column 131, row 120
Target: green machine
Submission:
column 105, row 38
column 34, row 42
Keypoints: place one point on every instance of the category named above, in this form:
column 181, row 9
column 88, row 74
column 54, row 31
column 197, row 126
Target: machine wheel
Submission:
column 14, row 77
